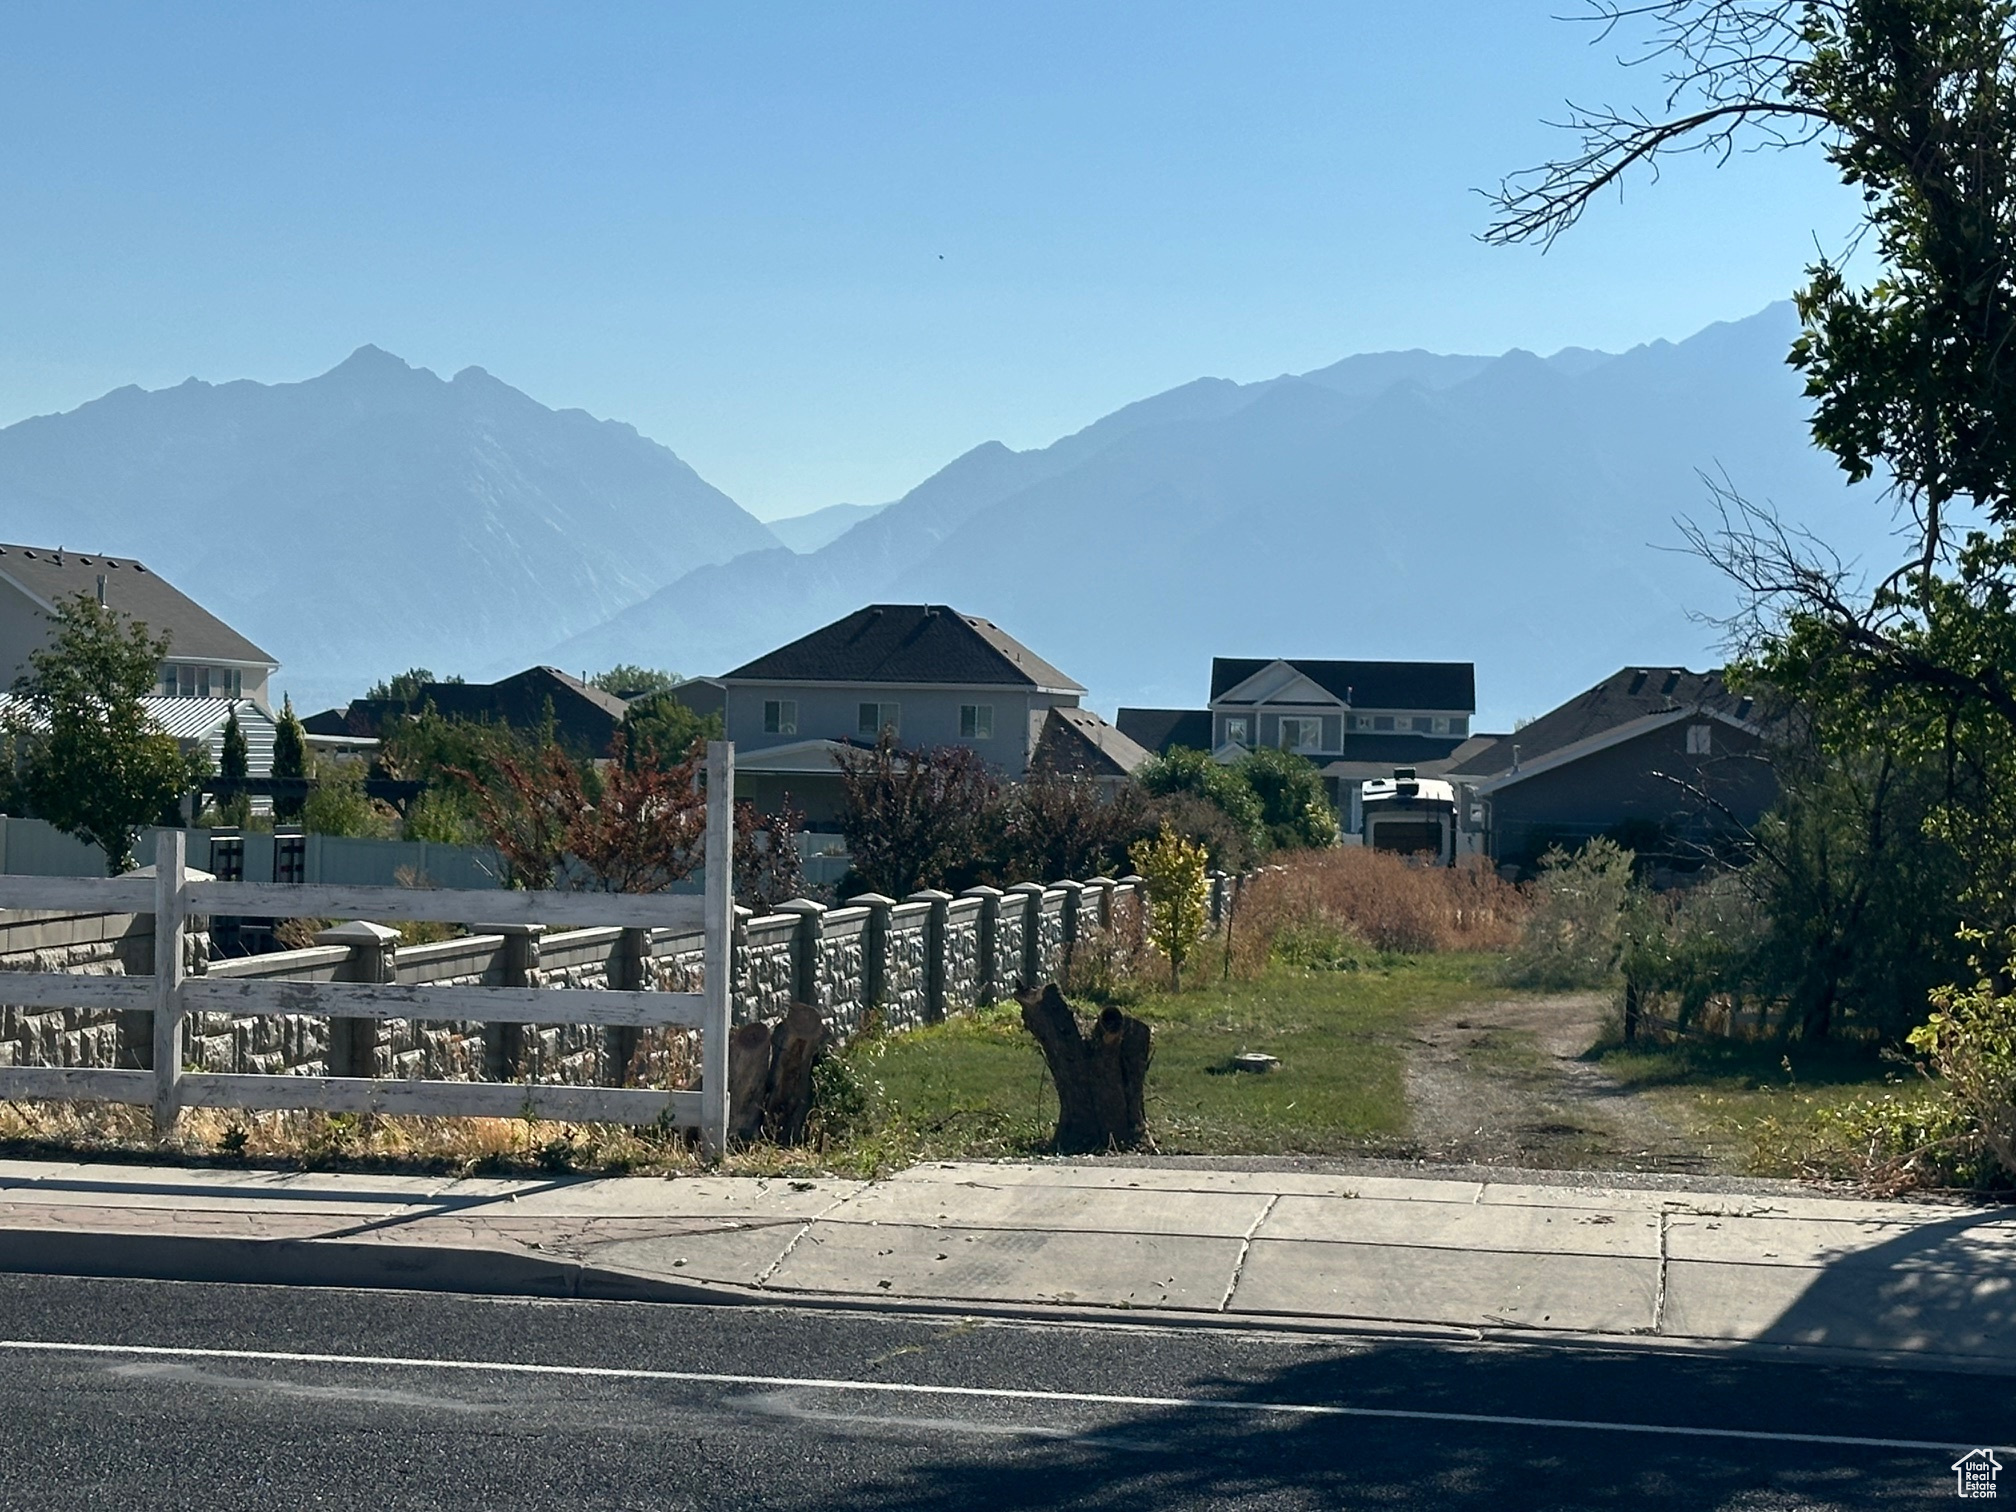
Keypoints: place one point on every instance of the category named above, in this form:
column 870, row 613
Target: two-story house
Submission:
column 1356, row 720
column 926, row 673
column 208, row 673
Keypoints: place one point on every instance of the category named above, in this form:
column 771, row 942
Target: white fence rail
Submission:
column 173, row 897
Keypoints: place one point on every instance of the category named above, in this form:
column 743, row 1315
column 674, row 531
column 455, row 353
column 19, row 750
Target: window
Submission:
column 1301, row 734
column 1699, row 742
column 1382, row 721
column 202, row 682
column 780, row 716
column 185, row 682
column 1459, row 724
column 1423, row 724
column 874, row 718
column 976, row 721
column 167, row 680
column 1235, row 729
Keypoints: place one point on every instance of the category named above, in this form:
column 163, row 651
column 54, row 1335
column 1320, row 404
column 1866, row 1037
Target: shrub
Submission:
column 1380, row 901
column 337, row 805
column 1970, row 1043
column 1193, row 773
column 1574, row 936
column 1295, row 813
column 916, row 818
column 1172, row 869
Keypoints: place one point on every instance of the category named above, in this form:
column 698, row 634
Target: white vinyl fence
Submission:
column 173, row 896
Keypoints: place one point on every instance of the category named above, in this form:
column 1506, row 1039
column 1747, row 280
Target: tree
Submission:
column 914, row 819
column 338, row 805
column 768, row 867
column 659, row 728
column 235, row 765
column 1295, row 812
column 1191, row 774
column 1913, row 376
column 406, row 687
column 1173, row 870
column 92, row 762
column 557, row 822
column 290, row 763
column 1056, row 825
column 628, row 680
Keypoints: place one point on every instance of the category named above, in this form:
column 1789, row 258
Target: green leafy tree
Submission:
column 916, row 819
column 92, row 762
column 659, row 728
column 290, row 762
column 338, row 805
column 1173, row 869
column 1295, row 812
column 629, row 680
column 406, row 687
column 1193, row 775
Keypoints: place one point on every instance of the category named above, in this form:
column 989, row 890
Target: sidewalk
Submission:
column 1483, row 1259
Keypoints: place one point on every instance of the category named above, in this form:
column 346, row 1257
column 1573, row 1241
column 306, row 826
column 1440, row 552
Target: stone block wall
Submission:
column 916, row 960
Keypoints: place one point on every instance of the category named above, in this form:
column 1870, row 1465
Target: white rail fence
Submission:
column 174, row 897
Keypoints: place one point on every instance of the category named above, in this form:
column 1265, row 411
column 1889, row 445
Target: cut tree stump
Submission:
column 1100, row 1076
column 770, row 1074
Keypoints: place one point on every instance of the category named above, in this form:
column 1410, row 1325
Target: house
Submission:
column 1665, row 760
column 206, row 658
column 1358, row 721
column 1078, row 743
column 583, row 717
column 925, row 673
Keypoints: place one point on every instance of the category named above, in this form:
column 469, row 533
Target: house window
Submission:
column 1459, row 724
column 202, row 682
column 1423, row 724
column 185, row 682
column 780, row 716
column 1382, row 721
column 874, row 718
column 1699, row 742
column 976, row 721
column 1235, row 729
column 1301, row 734
column 167, row 680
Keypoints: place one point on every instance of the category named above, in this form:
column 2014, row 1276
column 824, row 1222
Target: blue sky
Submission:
column 819, row 250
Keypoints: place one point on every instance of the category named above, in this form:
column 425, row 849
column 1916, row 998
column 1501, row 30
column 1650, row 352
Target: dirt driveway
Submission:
column 1505, row 1083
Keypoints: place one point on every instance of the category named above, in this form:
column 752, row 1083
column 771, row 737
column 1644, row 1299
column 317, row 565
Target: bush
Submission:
column 1970, row 1043
column 337, row 805
column 1574, row 937
column 1295, row 813
column 1193, row 774
column 1379, row 900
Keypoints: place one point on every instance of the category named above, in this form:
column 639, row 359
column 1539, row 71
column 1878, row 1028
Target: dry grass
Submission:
column 1387, row 902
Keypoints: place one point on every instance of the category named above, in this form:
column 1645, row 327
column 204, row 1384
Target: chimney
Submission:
column 101, row 590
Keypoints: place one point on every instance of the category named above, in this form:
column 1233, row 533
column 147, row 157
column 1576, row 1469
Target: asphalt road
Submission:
column 139, row 1395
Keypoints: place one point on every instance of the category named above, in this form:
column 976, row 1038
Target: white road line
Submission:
column 992, row 1393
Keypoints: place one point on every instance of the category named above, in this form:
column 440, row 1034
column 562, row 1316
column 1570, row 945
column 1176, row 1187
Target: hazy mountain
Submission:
column 1517, row 511
column 808, row 532
column 375, row 517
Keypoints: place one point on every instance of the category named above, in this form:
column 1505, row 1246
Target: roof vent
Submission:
column 29, row 554
column 1637, row 682
column 1403, row 774
column 1743, row 708
column 1672, row 682
column 1515, row 758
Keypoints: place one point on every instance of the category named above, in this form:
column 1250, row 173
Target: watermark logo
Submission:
column 1974, row 1475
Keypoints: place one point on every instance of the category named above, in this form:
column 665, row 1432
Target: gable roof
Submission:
column 583, row 714
column 1078, row 742
column 193, row 632
column 1363, row 684
column 908, row 644
column 1163, row 730
column 1630, row 699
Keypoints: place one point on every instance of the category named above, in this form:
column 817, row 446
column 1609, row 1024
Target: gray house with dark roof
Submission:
column 929, row 674
column 206, row 658
column 584, row 718
column 1664, row 759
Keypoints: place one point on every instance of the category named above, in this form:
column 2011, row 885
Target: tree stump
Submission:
column 1100, row 1076
column 770, row 1074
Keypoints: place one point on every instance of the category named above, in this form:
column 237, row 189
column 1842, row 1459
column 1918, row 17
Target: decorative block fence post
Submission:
column 986, row 988
column 629, row 971
column 807, row 949
column 1031, row 894
column 934, row 953
column 504, row 1044
column 874, row 948
column 374, row 958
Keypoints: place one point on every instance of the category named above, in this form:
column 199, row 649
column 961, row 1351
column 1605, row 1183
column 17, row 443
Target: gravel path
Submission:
column 1506, row 1084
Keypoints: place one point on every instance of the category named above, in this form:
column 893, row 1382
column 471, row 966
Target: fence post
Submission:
column 1032, row 932
column 374, row 957
column 504, row 1044
column 874, row 948
column 631, row 973
column 1630, row 1010
column 934, row 952
column 1218, row 882
column 806, row 950
column 1102, row 889
column 985, row 989
column 171, row 928
column 720, row 971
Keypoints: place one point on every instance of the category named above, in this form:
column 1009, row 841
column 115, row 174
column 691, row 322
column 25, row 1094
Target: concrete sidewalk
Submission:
column 1931, row 1283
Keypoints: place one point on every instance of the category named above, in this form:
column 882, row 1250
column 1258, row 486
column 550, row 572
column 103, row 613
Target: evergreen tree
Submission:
column 290, row 760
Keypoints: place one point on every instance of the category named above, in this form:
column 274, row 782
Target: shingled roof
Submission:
column 908, row 644
column 1364, row 684
column 1163, row 730
column 194, row 633
column 1077, row 742
column 1629, row 694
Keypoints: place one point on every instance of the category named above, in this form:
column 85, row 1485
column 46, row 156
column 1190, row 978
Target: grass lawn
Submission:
column 1764, row 1101
column 976, row 1086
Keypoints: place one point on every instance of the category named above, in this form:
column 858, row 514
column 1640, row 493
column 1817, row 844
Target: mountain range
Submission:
column 1516, row 511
